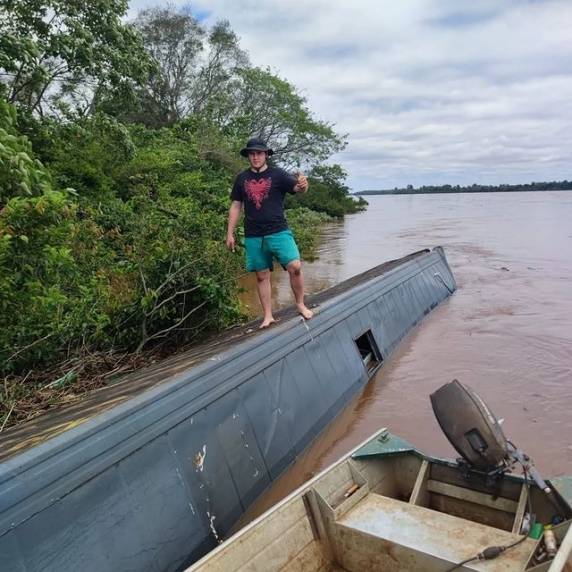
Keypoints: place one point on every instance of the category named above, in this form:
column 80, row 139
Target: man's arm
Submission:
column 233, row 216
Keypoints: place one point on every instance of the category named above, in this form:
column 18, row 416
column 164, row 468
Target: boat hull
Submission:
column 156, row 479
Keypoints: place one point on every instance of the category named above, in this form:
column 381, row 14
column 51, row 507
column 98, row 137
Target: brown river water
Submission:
column 506, row 332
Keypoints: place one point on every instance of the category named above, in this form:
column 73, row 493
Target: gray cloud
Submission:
column 459, row 19
column 428, row 91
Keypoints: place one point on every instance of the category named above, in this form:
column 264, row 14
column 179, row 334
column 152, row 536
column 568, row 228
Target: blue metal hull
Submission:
column 154, row 482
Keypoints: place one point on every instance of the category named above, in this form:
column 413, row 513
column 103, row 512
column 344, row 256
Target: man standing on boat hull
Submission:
column 261, row 190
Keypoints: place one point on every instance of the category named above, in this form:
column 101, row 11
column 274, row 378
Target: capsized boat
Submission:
column 150, row 471
column 388, row 507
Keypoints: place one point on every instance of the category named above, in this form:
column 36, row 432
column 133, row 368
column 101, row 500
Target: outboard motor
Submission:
column 476, row 434
column 470, row 426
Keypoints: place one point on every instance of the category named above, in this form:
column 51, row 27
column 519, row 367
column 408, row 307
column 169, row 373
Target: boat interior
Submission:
column 396, row 512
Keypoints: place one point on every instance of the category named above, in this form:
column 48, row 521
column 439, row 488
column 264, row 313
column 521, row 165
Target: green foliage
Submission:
column 56, row 53
column 174, row 40
column 39, row 276
column 136, row 256
column 271, row 108
column 85, row 154
column 20, row 172
column 195, row 71
column 305, row 225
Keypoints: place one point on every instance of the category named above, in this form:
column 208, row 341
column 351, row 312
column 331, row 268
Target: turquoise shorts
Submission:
column 261, row 250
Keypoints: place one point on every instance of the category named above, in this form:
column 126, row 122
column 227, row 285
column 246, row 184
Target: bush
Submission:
column 136, row 256
column 305, row 225
column 21, row 174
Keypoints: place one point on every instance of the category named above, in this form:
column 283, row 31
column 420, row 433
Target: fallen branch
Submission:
column 164, row 332
column 178, row 293
column 29, row 346
column 7, row 417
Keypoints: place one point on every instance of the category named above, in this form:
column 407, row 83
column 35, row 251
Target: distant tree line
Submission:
column 430, row 189
column 118, row 146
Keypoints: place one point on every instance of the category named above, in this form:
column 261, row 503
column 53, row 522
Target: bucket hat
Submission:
column 255, row 144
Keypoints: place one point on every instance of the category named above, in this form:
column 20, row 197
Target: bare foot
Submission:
column 267, row 322
column 305, row 312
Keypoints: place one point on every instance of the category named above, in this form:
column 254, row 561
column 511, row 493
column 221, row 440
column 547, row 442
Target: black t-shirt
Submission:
column 262, row 195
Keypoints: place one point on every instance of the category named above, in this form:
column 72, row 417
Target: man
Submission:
column 261, row 190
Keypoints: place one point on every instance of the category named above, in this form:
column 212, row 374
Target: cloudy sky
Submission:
column 428, row 91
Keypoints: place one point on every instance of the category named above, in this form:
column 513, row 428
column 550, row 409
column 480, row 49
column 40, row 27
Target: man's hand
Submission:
column 233, row 216
column 301, row 184
column 230, row 242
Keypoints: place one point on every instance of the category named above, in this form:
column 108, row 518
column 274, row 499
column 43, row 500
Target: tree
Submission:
column 66, row 52
column 195, row 67
column 174, row 40
column 205, row 76
column 217, row 78
column 270, row 107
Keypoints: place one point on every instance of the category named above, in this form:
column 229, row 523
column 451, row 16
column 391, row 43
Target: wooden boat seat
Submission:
column 453, row 496
column 421, row 538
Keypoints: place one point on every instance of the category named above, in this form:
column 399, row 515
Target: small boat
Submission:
column 388, row 507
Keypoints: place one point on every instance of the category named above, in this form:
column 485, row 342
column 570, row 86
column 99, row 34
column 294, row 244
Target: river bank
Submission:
column 37, row 390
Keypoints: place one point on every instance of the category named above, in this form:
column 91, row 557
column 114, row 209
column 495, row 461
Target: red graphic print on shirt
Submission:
column 257, row 191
